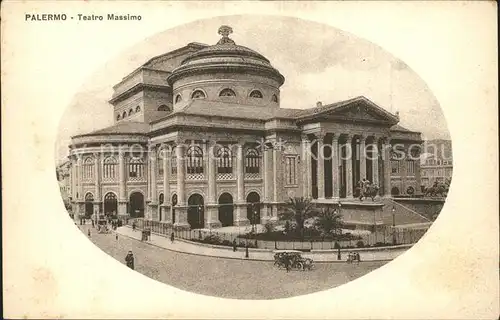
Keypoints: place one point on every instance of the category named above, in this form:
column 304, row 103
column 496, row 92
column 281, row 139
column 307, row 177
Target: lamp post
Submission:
column 393, row 225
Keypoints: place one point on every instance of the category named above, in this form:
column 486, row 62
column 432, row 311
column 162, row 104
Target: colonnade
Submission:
column 345, row 155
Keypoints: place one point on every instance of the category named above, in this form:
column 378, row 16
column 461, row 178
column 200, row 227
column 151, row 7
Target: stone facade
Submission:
column 200, row 140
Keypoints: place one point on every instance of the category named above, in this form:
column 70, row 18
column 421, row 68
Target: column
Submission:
column 212, row 210
column 277, row 174
column 122, row 198
column 181, row 209
column 153, row 183
column 375, row 158
column 240, row 218
column 167, row 217
column 348, row 170
column 404, row 171
column 362, row 157
column 97, row 181
column 335, row 166
column 80, row 180
column 268, row 183
column 387, row 167
column 418, row 177
column 320, row 172
column 305, row 156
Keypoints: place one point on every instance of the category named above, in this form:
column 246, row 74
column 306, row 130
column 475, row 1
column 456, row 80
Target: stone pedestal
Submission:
column 274, row 218
column 240, row 217
column 181, row 218
column 212, row 216
column 153, row 211
column 122, row 208
column 166, row 214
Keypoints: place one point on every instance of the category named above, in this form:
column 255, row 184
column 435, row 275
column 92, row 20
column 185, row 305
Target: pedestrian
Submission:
column 133, row 226
column 234, row 245
column 116, row 236
column 172, row 236
column 286, row 260
column 93, row 225
column 129, row 259
column 246, row 250
column 88, row 232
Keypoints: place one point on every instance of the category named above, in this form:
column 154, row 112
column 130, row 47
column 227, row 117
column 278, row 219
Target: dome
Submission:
column 226, row 56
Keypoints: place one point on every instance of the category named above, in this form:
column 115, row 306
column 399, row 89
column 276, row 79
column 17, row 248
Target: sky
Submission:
column 319, row 62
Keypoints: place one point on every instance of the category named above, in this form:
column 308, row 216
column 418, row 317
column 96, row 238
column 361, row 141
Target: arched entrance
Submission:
column 195, row 211
column 161, row 198
column 226, row 209
column 110, row 203
column 395, row 191
column 89, row 205
column 253, row 208
column 136, row 205
column 174, row 203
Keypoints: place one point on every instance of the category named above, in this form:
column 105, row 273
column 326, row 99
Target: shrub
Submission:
column 360, row 244
column 269, row 227
column 336, row 245
column 226, row 243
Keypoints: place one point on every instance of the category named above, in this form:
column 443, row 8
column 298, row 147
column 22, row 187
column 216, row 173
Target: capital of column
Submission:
column 304, row 137
column 362, row 138
column 320, row 135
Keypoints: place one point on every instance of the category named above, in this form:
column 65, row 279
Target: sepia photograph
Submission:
column 217, row 147
column 250, row 160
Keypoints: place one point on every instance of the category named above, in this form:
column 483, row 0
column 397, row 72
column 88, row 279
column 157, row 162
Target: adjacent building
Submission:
column 200, row 139
column 436, row 162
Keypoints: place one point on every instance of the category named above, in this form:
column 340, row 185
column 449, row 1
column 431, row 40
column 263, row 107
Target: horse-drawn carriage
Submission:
column 292, row 259
column 102, row 226
column 353, row 257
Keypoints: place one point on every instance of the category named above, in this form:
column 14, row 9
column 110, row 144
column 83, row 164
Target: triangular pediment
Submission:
column 358, row 109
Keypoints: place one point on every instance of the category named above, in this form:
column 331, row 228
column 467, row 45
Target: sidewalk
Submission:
column 183, row 246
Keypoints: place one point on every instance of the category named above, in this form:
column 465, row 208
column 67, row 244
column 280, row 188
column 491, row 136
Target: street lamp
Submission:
column 393, row 225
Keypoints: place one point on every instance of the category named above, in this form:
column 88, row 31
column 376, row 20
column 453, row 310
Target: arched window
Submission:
column 224, row 160
column 256, row 94
column 194, row 159
column 124, row 114
column 130, row 112
column 161, row 198
column 178, row 98
column 198, row 94
column 88, row 168
column 227, row 93
column 136, row 168
column 137, row 109
column 274, row 98
column 252, row 161
column 118, row 117
column 163, row 107
column 109, row 168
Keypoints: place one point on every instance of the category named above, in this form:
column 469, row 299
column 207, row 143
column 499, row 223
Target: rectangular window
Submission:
column 291, row 170
column 394, row 166
column 173, row 166
column 411, row 167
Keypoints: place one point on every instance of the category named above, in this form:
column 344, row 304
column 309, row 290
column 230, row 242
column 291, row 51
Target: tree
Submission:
column 299, row 209
column 329, row 221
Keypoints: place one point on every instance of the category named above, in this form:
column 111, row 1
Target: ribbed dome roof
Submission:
column 226, row 54
column 226, row 49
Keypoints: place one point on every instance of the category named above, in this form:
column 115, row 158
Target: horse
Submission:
column 352, row 257
column 436, row 190
column 369, row 191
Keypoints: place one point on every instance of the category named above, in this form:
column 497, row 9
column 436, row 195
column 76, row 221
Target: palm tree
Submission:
column 299, row 209
column 329, row 221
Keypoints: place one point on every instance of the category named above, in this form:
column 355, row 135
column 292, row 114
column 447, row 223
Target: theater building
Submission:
column 200, row 140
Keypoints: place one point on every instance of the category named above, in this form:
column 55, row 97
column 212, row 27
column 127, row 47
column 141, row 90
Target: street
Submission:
column 228, row 278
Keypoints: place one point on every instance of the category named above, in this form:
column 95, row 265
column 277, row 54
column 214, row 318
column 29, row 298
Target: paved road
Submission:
column 227, row 278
